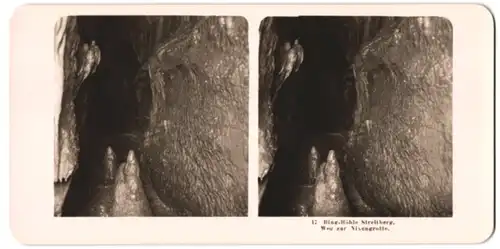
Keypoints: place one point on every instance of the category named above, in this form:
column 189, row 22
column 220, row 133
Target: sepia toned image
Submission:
column 153, row 117
column 223, row 124
column 355, row 116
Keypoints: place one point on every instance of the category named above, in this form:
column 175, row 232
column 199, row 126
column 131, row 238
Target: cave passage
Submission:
column 314, row 103
column 106, row 106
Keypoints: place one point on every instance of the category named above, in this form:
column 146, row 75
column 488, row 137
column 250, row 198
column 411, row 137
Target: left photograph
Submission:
column 152, row 117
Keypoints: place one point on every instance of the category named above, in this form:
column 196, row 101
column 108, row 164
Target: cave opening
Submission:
column 314, row 106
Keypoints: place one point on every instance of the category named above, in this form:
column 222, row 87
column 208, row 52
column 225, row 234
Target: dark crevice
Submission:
column 106, row 105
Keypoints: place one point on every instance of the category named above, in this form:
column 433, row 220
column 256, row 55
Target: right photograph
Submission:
column 355, row 116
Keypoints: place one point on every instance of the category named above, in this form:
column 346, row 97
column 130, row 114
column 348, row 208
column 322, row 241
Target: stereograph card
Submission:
column 252, row 124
